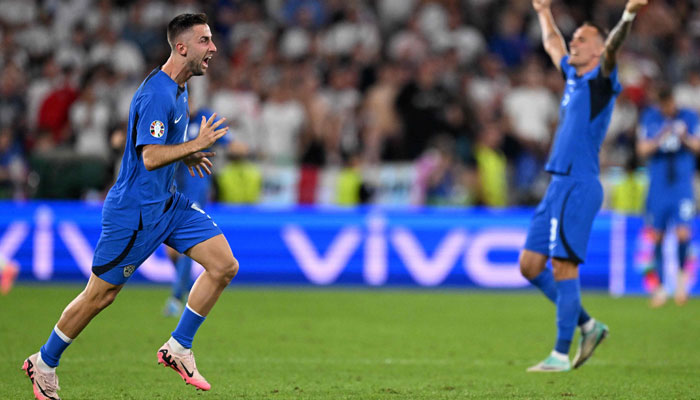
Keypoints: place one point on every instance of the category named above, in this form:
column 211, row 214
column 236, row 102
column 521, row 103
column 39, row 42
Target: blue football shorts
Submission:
column 121, row 250
column 561, row 225
column 669, row 208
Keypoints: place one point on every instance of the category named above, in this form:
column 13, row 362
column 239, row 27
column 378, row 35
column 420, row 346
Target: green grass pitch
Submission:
column 292, row 343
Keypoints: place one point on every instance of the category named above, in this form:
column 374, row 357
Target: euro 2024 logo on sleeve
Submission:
column 157, row 129
column 128, row 270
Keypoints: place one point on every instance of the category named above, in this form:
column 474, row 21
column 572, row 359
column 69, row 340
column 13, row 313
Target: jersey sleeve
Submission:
column 693, row 124
column 615, row 84
column 566, row 69
column 154, row 117
column 643, row 126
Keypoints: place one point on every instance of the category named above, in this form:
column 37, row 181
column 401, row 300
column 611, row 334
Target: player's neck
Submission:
column 177, row 71
column 584, row 69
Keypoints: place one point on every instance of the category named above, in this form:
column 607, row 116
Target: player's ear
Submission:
column 181, row 49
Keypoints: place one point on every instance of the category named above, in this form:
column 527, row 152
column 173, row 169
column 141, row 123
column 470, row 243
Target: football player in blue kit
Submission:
column 143, row 210
column 669, row 137
column 196, row 189
column 562, row 222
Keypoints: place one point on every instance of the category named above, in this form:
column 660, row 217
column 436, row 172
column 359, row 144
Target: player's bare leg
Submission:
column 683, row 235
column 8, row 273
column 174, row 304
column 532, row 264
column 219, row 269
column 96, row 296
column 596, row 332
column 41, row 367
column 658, row 294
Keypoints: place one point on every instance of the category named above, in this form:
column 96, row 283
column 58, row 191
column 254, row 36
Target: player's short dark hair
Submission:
column 664, row 91
column 602, row 32
column 182, row 23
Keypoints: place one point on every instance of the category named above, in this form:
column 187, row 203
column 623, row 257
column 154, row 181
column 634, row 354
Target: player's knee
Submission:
column 102, row 300
column 529, row 267
column 564, row 269
column 683, row 234
column 232, row 269
column 107, row 300
column 226, row 271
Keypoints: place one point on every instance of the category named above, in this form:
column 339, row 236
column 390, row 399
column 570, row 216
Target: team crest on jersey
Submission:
column 128, row 270
column 157, row 129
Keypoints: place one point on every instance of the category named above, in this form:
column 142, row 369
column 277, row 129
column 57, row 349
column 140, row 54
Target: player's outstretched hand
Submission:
column 199, row 161
column 208, row 132
column 635, row 5
column 541, row 5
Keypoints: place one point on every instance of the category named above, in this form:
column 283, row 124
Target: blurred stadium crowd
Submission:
column 387, row 101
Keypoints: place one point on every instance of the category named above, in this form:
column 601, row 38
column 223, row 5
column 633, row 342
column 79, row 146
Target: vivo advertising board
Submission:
column 457, row 247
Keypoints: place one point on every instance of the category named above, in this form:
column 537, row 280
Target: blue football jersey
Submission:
column 196, row 188
column 584, row 115
column 672, row 166
column 159, row 114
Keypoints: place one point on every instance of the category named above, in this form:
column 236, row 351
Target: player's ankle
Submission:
column 176, row 347
column 588, row 325
column 560, row 356
column 42, row 366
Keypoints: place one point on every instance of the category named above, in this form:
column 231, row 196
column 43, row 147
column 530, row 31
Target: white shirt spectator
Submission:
column 281, row 126
column 408, row 45
column 343, row 37
column 257, row 32
column 18, row 12
column 432, row 19
column 125, row 57
column 37, row 39
column 241, row 108
column 105, row 14
column 531, row 112
column 624, row 118
column 393, row 12
column 90, row 122
column 687, row 95
column 295, row 43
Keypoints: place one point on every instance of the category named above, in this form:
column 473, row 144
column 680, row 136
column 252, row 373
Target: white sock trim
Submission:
column 176, row 347
column 43, row 367
column 560, row 356
column 62, row 335
column 628, row 16
column 190, row 308
column 588, row 325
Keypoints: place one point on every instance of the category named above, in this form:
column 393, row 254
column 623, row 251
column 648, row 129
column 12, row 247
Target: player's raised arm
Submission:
column 156, row 156
column 552, row 38
column 618, row 35
column 691, row 138
column 645, row 146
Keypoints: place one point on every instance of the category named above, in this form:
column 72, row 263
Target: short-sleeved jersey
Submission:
column 672, row 166
column 584, row 115
column 158, row 115
column 196, row 188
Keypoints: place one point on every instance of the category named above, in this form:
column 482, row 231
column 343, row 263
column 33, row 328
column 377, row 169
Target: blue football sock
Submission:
column 54, row 347
column 682, row 254
column 187, row 327
column 583, row 316
column 659, row 260
column 183, row 268
column 568, row 308
column 545, row 282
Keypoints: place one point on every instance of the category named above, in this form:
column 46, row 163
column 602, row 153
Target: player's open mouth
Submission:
column 205, row 62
